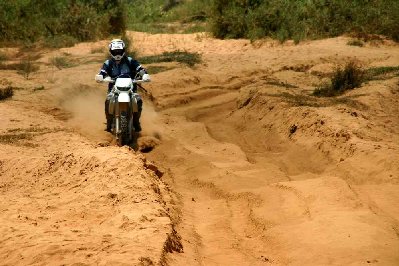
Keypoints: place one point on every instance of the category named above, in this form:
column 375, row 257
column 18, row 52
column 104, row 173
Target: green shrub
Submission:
column 60, row 22
column 170, row 4
column 131, row 49
column 299, row 19
column 155, row 16
column 343, row 79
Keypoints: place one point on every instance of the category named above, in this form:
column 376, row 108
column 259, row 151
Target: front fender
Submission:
column 123, row 98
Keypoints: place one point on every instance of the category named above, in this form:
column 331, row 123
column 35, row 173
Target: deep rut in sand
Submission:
column 216, row 168
column 237, row 200
column 266, row 174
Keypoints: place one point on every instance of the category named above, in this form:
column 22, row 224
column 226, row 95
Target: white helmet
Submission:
column 117, row 49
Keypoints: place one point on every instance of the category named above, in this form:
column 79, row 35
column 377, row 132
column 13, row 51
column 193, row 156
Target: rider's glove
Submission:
column 99, row 78
column 142, row 72
column 146, row 77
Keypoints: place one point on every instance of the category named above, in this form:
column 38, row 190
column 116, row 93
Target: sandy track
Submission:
column 259, row 172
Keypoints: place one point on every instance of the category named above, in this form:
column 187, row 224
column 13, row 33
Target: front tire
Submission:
column 124, row 129
column 110, row 121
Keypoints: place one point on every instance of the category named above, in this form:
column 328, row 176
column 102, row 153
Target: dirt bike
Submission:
column 122, row 107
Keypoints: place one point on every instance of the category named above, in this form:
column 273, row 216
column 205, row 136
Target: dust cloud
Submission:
column 86, row 106
column 150, row 121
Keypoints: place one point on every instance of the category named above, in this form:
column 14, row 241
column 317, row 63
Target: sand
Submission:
column 244, row 167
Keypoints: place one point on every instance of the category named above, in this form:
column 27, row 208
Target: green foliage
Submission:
column 183, row 57
column 299, row 19
column 168, row 16
column 376, row 72
column 131, row 48
column 170, row 4
column 60, row 22
column 145, row 12
column 59, row 41
column 347, row 78
column 5, row 93
column 195, row 27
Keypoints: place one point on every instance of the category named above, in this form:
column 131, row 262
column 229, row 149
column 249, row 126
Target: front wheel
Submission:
column 110, row 121
column 124, row 130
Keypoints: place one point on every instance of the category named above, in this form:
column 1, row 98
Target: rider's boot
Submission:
column 108, row 117
column 136, row 115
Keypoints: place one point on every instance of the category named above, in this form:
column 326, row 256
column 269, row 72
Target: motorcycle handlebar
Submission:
column 110, row 80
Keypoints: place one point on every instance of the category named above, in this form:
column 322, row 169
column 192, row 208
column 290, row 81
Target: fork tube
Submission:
column 130, row 104
column 117, row 115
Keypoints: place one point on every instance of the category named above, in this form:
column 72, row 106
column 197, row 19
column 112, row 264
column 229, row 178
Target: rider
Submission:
column 117, row 65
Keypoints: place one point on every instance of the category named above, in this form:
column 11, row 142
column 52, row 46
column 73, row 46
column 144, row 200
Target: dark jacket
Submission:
column 127, row 66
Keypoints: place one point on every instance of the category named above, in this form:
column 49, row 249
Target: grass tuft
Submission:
column 12, row 138
column 7, row 92
column 183, row 57
column 19, row 136
column 355, row 42
column 299, row 99
column 348, row 78
column 61, row 62
column 157, row 69
column 377, row 72
column 39, row 88
column 26, row 67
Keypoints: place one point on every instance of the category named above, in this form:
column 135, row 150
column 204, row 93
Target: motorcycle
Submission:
column 122, row 107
